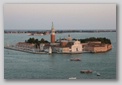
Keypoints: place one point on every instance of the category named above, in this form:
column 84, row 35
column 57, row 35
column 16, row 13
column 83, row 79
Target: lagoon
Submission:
column 21, row 65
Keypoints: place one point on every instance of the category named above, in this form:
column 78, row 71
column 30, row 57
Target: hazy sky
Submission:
column 64, row 16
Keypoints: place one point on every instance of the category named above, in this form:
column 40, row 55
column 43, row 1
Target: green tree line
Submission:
column 102, row 40
column 36, row 41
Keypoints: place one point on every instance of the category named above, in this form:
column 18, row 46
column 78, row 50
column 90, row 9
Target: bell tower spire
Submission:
column 52, row 25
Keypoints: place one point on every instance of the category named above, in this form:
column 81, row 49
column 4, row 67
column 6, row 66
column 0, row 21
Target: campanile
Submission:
column 52, row 34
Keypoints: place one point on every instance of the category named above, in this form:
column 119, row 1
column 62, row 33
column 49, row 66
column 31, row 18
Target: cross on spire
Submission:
column 52, row 25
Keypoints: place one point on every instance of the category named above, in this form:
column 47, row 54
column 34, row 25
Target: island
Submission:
column 64, row 45
column 69, row 45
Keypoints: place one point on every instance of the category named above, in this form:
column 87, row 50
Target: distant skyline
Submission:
column 64, row 16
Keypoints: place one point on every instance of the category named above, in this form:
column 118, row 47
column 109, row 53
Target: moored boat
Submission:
column 75, row 59
column 98, row 74
column 86, row 71
column 72, row 78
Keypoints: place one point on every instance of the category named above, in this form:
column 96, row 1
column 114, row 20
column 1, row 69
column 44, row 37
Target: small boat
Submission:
column 98, row 74
column 86, row 71
column 75, row 59
column 72, row 78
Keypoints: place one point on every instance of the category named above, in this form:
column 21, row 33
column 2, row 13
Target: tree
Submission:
column 36, row 41
column 102, row 40
column 42, row 41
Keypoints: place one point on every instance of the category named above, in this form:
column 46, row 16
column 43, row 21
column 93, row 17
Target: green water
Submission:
column 21, row 65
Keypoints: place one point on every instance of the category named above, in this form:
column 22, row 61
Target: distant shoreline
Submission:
column 58, row 31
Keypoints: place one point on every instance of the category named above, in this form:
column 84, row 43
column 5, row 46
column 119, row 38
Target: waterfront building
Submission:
column 42, row 47
column 96, row 47
column 24, row 45
column 69, row 38
column 76, row 47
column 72, row 47
column 68, row 46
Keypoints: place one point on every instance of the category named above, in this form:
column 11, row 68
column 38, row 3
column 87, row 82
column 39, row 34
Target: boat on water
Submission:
column 86, row 71
column 75, row 59
column 98, row 74
column 72, row 78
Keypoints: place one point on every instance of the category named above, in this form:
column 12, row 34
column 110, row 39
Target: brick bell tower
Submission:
column 52, row 34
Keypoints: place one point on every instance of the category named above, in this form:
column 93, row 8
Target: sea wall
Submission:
column 96, row 48
column 105, row 48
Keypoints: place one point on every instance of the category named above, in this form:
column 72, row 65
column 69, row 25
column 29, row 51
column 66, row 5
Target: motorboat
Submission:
column 72, row 78
column 86, row 71
column 98, row 74
column 75, row 59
